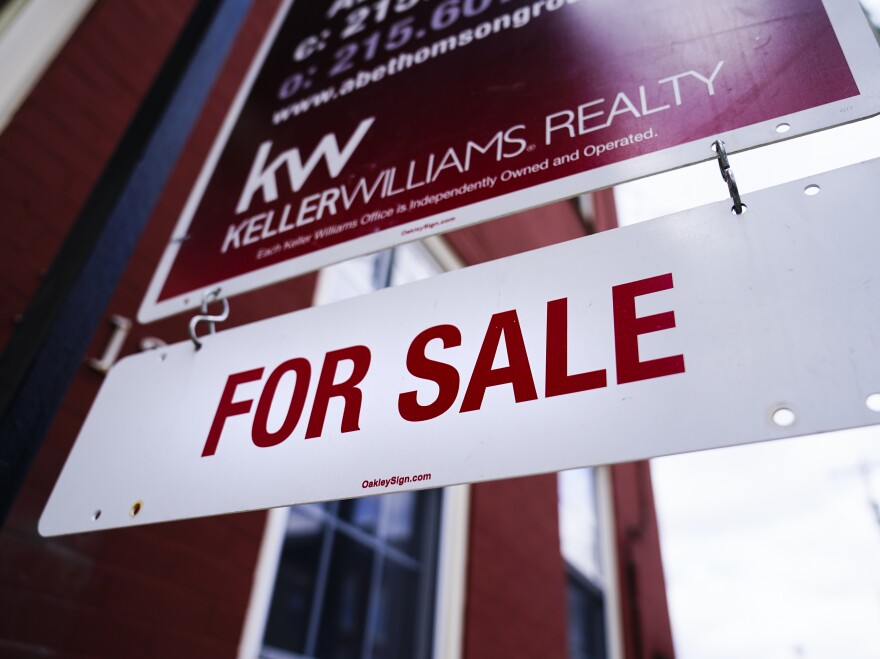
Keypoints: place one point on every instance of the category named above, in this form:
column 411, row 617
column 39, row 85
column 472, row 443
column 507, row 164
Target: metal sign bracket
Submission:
column 720, row 148
column 205, row 317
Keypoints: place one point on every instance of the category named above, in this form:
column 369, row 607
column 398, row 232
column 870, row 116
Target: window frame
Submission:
column 333, row 528
column 450, row 578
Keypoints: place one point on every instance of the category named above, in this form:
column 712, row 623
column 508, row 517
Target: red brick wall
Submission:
column 516, row 606
column 517, row 233
column 181, row 589
column 516, row 583
column 53, row 151
column 169, row 590
column 645, row 615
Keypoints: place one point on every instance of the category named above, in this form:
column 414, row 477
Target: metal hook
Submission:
column 213, row 296
column 727, row 175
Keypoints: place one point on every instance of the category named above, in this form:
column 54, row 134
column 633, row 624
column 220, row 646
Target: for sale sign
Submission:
column 689, row 332
column 366, row 123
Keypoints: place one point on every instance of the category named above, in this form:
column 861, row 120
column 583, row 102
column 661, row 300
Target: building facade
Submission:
column 546, row 566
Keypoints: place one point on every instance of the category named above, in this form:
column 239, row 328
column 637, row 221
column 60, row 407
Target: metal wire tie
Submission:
column 729, row 178
column 205, row 317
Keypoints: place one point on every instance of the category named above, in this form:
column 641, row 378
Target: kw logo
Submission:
column 262, row 177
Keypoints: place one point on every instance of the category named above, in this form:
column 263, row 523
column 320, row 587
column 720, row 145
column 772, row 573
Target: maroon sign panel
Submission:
column 373, row 123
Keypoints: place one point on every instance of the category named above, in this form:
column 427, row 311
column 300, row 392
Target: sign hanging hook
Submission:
column 727, row 174
column 213, row 296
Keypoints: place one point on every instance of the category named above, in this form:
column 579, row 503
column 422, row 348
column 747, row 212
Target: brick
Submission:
column 225, row 623
column 86, row 127
column 513, row 234
column 170, row 590
column 109, row 106
column 48, row 140
column 515, row 571
column 191, row 645
column 213, row 535
column 46, row 567
column 71, row 628
column 146, row 552
column 110, row 68
column 12, row 649
column 47, row 172
column 119, row 53
column 14, row 263
column 16, row 181
column 163, row 604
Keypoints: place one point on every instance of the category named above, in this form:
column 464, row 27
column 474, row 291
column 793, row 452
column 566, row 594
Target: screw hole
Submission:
column 873, row 402
column 96, row 516
column 783, row 417
column 812, row 190
column 136, row 508
column 163, row 356
column 783, row 128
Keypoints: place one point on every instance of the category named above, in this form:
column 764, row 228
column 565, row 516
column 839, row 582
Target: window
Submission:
column 356, row 580
column 579, row 542
column 586, row 618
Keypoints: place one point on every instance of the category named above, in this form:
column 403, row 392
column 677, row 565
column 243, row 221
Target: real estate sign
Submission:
column 689, row 332
column 367, row 123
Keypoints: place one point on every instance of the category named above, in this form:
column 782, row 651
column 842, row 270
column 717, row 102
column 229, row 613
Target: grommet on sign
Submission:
column 727, row 174
column 213, row 296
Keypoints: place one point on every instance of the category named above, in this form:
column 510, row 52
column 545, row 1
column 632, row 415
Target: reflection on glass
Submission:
column 302, row 522
column 287, row 624
column 400, row 524
column 363, row 513
column 586, row 631
column 396, row 616
column 352, row 582
column 579, row 522
column 345, row 609
column 579, row 543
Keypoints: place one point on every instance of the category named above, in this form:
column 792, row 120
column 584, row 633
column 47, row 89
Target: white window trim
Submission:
column 611, row 591
column 449, row 602
column 264, row 583
column 449, row 605
column 29, row 44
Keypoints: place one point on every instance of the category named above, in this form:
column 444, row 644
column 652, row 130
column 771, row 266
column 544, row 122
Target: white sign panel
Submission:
column 698, row 330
